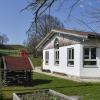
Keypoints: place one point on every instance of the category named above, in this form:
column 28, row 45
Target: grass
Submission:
column 87, row 91
column 37, row 62
column 9, row 52
column 12, row 47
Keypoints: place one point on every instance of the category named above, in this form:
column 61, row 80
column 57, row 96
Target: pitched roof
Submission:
column 17, row 63
column 69, row 32
column 76, row 32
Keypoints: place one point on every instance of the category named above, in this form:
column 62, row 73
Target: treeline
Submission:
column 3, row 38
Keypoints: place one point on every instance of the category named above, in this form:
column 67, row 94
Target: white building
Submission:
column 71, row 52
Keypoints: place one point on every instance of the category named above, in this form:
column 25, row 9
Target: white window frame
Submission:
column 46, row 58
column 89, row 59
column 56, row 57
column 71, row 57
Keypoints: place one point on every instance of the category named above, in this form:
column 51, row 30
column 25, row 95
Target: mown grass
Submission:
column 87, row 91
column 9, row 52
column 37, row 61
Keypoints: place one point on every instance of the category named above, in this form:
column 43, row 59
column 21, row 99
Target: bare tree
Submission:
column 40, row 7
column 3, row 39
column 44, row 25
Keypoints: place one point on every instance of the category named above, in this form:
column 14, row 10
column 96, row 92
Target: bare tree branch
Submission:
column 84, row 23
column 72, row 7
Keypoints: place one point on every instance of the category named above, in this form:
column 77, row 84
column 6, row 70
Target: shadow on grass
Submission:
column 37, row 82
column 30, row 83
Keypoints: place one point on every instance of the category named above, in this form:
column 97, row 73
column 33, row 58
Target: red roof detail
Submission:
column 17, row 63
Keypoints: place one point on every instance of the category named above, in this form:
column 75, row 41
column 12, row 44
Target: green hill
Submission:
column 12, row 47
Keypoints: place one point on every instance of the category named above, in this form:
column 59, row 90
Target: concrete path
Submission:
column 38, row 70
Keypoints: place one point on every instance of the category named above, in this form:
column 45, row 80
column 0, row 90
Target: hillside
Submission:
column 12, row 47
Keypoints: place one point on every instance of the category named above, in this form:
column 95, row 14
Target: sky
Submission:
column 14, row 23
column 80, row 12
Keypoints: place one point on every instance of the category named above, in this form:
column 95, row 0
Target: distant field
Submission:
column 12, row 47
column 12, row 50
column 4, row 52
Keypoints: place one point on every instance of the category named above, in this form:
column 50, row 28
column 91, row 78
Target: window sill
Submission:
column 56, row 64
column 90, row 66
column 70, row 65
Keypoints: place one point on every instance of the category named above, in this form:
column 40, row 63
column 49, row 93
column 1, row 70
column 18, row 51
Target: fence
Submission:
column 43, row 95
column 15, row 97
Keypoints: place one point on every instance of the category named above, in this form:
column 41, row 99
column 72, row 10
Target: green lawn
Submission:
column 87, row 91
column 9, row 52
column 37, row 62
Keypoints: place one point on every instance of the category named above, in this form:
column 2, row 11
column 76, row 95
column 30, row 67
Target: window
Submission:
column 90, row 56
column 47, row 57
column 57, row 56
column 56, row 43
column 70, row 57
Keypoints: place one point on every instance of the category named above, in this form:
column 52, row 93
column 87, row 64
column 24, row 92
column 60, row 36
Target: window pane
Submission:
column 47, row 54
column 58, row 54
column 70, row 62
column 86, row 53
column 57, row 57
column 46, row 57
column 46, row 61
column 89, row 62
column 57, row 62
column 71, row 56
column 72, row 53
column 93, row 53
column 69, row 51
column 56, row 43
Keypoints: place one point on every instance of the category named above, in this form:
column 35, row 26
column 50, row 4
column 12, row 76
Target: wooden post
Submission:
column 5, row 77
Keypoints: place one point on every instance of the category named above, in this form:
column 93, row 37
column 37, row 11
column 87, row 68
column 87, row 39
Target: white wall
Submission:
column 93, row 71
column 78, row 69
column 51, row 59
column 62, row 67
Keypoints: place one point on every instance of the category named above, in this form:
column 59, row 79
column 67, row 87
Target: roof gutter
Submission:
column 44, row 39
column 82, row 36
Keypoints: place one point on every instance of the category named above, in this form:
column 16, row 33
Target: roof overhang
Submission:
column 53, row 31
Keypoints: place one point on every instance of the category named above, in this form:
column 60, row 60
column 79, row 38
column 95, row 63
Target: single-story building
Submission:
column 71, row 52
column 17, row 70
